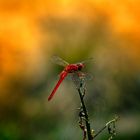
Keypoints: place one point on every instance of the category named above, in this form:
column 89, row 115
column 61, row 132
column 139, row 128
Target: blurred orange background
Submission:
column 32, row 31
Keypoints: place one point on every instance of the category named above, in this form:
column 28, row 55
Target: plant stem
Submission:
column 106, row 125
column 90, row 137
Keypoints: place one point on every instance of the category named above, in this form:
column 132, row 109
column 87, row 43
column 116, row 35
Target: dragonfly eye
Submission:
column 80, row 66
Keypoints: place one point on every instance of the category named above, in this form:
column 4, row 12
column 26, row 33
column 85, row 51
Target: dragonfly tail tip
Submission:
column 49, row 99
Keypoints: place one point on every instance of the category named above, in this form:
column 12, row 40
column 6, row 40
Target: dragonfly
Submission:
column 74, row 69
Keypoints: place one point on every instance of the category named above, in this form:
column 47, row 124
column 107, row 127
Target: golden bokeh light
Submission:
column 21, row 36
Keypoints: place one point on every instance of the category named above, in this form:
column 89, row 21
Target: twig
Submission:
column 83, row 115
column 82, row 126
column 90, row 137
column 109, row 128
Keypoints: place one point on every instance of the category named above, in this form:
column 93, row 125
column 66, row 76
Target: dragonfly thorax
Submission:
column 73, row 67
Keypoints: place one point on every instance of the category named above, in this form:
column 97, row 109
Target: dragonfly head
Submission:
column 80, row 66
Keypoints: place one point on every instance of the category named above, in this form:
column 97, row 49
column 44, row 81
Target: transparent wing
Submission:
column 87, row 60
column 57, row 60
column 80, row 78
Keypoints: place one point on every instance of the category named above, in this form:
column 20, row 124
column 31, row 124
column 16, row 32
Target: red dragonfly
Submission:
column 68, row 68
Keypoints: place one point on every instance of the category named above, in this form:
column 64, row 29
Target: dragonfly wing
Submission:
column 62, row 77
column 57, row 60
column 80, row 78
column 86, row 61
column 87, row 76
column 77, row 79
